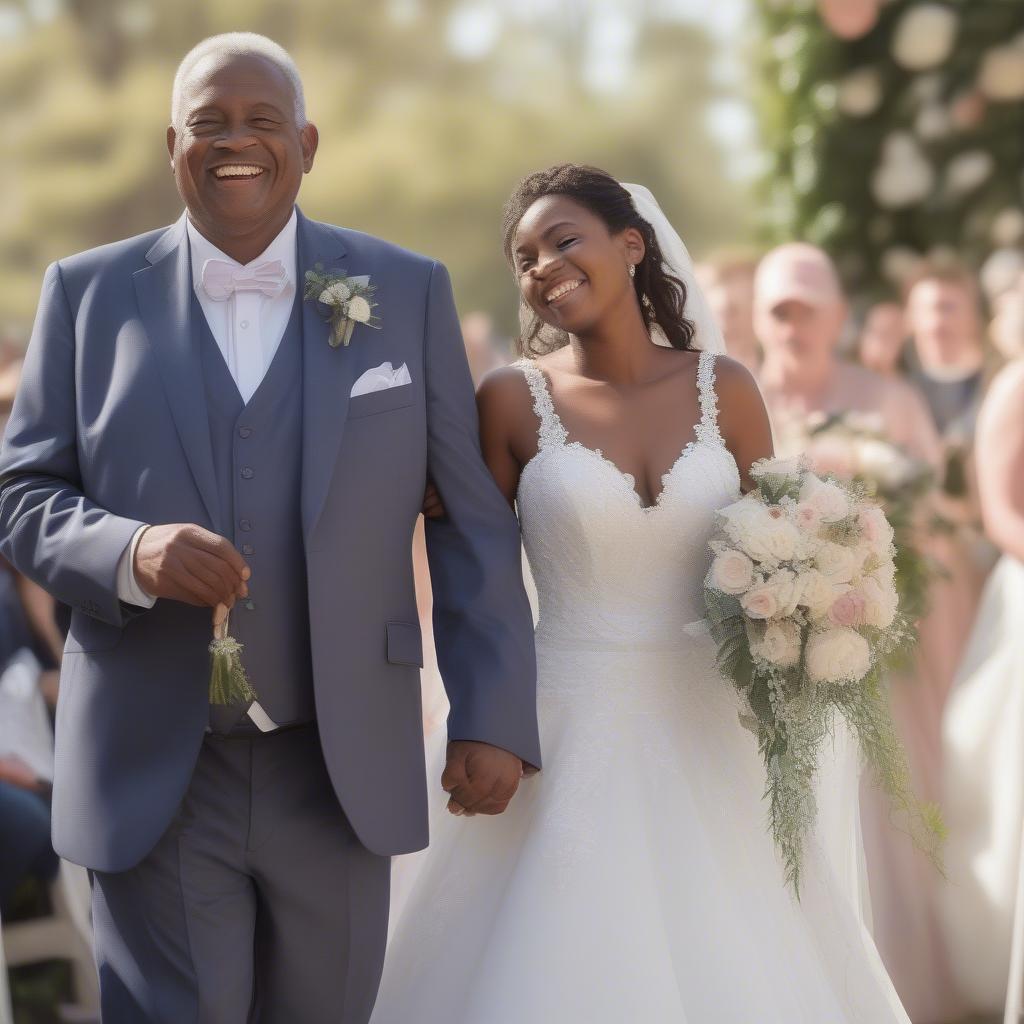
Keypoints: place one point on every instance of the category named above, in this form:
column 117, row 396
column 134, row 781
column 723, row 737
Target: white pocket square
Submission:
column 380, row 378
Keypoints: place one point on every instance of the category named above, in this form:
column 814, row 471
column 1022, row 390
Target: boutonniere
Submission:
column 349, row 301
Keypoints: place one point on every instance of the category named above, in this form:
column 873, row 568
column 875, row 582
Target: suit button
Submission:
column 244, row 431
column 247, row 473
column 245, row 524
column 247, row 549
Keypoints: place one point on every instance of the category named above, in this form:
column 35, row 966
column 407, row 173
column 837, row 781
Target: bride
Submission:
column 634, row 879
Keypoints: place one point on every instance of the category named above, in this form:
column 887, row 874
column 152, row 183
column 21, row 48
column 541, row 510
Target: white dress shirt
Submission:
column 248, row 328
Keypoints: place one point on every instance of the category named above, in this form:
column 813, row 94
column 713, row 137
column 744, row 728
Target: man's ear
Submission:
column 172, row 136
column 309, row 138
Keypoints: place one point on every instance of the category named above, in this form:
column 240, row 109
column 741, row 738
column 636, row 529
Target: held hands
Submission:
column 479, row 778
column 433, row 507
column 184, row 562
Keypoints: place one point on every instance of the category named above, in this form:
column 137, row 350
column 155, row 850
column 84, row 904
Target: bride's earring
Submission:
column 632, row 270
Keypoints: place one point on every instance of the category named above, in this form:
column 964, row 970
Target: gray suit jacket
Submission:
column 109, row 430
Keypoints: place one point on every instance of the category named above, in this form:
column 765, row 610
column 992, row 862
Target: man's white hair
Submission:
column 236, row 44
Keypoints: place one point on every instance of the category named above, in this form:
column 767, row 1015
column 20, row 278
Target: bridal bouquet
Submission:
column 853, row 448
column 803, row 605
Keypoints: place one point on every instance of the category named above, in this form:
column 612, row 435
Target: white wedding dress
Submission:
column 983, row 796
column 633, row 879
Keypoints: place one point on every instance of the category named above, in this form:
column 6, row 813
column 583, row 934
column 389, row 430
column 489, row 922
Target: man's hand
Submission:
column 184, row 562
column 433, row 507
column 479, row 778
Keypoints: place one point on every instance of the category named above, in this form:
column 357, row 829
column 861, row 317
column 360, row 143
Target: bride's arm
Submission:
column 742, row 417
column 504, row 409
column 999, row 452
column 504, row 406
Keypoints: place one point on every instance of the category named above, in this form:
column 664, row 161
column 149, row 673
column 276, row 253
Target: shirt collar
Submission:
column 282, row 248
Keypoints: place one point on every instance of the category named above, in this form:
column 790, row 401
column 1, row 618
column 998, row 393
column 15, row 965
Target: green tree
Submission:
column 904, row 143
column 418, row 144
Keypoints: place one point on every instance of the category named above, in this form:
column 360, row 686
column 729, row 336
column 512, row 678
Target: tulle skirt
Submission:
column 632, row 880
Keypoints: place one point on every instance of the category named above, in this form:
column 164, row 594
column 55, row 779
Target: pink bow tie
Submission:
column 222, row 279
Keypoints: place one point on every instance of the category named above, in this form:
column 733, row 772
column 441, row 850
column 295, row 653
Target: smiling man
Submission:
column 188, row 438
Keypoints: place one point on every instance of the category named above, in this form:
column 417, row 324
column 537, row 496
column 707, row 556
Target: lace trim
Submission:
column 707, row 430
column 550, row 431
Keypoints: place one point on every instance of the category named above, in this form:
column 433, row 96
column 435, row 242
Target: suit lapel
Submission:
column 327, row 375
column 164, row 293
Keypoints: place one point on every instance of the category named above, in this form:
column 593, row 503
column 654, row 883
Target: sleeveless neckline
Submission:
column 552, row 433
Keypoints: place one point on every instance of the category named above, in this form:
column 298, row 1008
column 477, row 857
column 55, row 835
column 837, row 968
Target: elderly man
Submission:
column 191, row 433
column 799, row 315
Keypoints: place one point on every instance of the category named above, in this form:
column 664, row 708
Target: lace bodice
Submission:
column 611, row 572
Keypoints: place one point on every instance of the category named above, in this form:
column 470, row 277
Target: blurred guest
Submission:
column 728, row 285
column 947, row 359
column 1006, row 329
column 883, row 339
column 10, row 373
column 983, row 730
column 482, row 348
column 25, row 848
column 26, row 621
column 800, row 313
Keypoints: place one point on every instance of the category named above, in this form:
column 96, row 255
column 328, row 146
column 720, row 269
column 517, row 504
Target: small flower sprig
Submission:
column 349, row 301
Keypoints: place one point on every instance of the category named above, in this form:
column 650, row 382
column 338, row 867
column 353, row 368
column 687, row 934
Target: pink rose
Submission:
column 760, row 602
column 848, row 609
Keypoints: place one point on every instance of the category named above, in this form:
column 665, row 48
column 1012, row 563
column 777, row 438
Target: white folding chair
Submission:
column 1015, row 985
column 65, row 935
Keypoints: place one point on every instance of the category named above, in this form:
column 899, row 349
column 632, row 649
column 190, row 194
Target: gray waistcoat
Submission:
column 257, row 456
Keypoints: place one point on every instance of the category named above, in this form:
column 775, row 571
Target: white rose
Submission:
column 732, row 572
column 760, row 602
column 1000, row 272
column 904, row 176
column 838, row 655
column 860, row 92
column 775, row 467
column 780, row 644
column 807, row 517
column 786, row 587
column 967, row 171
column 881, row 602
column 924, row 37
column 883, row 462
column 817, row 592
column 837, row 562
column 828, row 498
column 359, row 309
column 1002, row 73
column 875, row 529
column 774, row 541
column 1008, row 226
column 335, row 294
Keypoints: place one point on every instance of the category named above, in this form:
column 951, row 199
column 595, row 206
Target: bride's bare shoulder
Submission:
column 505, row 388
column 734, row 383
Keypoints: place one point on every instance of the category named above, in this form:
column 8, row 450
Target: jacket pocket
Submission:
column 381, row 401
column 87, row 634
column 405, row 644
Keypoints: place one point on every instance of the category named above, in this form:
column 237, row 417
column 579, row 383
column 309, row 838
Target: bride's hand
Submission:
column 479, row 778
column 433, row 507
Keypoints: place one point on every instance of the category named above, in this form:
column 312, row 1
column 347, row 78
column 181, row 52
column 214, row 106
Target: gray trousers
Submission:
column 259, row 904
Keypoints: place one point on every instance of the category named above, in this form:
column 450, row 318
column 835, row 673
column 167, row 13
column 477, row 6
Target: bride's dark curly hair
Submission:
column 600, row 193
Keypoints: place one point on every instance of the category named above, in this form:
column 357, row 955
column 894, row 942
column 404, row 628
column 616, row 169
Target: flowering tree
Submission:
column 896, row 132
